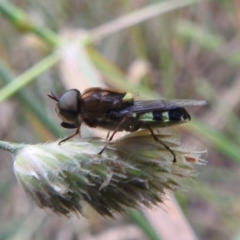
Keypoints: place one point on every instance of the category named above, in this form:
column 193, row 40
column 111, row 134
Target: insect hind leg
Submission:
column 158, row 140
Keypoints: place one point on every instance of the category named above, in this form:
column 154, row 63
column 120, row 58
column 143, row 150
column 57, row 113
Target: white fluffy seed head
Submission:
column 132, row 171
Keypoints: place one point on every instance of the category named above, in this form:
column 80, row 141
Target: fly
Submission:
column 118, row 111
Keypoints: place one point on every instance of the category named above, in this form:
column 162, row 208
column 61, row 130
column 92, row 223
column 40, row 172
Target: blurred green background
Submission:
column 171, row 49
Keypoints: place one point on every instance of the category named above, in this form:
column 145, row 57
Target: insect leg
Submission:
column 111, row 137
column 155, row 137
column 108, row 135
column 73, row 135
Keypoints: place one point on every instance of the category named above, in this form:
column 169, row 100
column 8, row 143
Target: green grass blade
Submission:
column 216, row 139
column 28, row 76
column 21, row 21
column 139, row 219
column 29, row 101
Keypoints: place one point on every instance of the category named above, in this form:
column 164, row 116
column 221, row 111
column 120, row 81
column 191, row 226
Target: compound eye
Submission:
column 69, row 100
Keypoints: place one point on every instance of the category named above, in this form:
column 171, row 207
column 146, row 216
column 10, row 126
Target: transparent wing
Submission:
column 152, row 105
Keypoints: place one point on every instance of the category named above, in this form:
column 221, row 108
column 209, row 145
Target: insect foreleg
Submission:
column 73, row 135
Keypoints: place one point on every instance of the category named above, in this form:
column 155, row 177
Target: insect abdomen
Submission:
column 171, row 115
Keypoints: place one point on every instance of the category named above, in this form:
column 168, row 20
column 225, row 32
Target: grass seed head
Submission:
column 132, row 171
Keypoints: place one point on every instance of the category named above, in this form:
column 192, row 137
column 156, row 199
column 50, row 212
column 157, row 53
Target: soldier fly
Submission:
column 118, row 111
